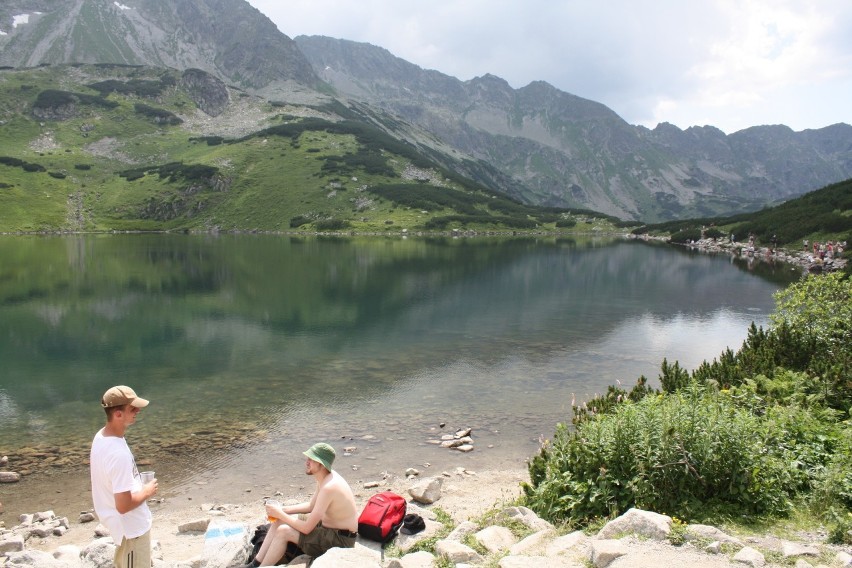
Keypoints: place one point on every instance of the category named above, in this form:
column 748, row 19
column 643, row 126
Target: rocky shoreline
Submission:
column 804, row 259
column 471, row 518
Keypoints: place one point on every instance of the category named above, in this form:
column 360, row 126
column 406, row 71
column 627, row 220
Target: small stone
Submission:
column 456, row 552
column 411, row 471
column 371, row 485
column 789, row 549
column 464, row 448
column 40, row 532
column 12, row 544
column 9, row 477
column 495, row 538
column 427, row 490
column 198, row 525
column 605, row 551
column 44, row 516
column 751, row 557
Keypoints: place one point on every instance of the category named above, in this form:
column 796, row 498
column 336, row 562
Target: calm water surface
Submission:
column 251, row 348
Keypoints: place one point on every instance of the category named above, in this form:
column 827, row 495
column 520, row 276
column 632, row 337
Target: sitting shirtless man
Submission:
column 332, row 517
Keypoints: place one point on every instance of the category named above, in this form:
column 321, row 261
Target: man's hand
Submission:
column 275, row 511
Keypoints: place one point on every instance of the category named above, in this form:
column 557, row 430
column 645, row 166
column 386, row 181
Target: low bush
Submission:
column 691, row 453
column 331, row 225
column 157, row 115
column 298, row 221
column 686, row 236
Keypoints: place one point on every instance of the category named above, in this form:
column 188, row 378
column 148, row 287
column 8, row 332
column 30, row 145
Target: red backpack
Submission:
column 382, row 516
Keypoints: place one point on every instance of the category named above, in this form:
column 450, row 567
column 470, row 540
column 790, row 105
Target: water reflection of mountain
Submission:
column 224, row 325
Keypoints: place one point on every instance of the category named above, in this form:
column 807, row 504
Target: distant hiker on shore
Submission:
column 119, row 496
column 332, row 516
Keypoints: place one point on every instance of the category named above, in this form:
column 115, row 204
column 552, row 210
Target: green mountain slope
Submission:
column 110, row 147
column 821, row 215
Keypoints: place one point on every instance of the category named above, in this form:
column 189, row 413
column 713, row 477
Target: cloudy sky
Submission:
column 729, row 63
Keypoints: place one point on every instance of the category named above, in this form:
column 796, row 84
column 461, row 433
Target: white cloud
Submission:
column 730, row 63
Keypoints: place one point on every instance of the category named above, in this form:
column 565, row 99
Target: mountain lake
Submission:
column 253, row 347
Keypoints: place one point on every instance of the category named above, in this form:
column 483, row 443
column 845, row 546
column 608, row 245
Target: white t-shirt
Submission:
column 114, row 471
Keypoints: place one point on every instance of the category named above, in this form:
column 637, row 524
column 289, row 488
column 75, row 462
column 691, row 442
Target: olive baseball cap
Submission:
column 322, row 453
column 122, row 396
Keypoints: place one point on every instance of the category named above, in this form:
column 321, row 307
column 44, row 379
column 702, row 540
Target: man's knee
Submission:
column 287, row 533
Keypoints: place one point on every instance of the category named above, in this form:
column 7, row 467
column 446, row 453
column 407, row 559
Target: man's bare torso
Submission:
column 342, row 512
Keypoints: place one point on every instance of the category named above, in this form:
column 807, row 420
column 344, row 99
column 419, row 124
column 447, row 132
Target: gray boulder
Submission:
column 532, row 543
column 526, row 516
column 358, row 557
column 495, row 538
column 638, row 522
column 427, row 490
column 456, row 552
column 462, row 530
column 98, row 553
column 750, row 557
column 28, row 558
column 69, row 554
column 14, row 543
column 420, row 559
column 225, row 544
column 605, row 551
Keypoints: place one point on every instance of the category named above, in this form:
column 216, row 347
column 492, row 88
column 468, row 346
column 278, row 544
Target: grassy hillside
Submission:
column 102, row 148
column 822, row 215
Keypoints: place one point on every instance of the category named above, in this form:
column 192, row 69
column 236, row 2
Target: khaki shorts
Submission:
column 319, row 540
column 134, row 552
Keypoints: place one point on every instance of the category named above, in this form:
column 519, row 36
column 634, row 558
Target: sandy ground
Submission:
column 463, row 496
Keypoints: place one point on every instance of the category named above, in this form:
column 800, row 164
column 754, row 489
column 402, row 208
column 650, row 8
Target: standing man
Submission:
column 332, row 517
column 119, row 496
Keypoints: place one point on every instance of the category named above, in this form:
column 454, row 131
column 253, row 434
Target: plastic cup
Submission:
column 147, row 476
column 277, row 504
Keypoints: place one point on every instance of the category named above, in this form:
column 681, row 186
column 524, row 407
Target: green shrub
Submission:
column 157, row 115
column 298, row 221
column 30, row 167
column 691, row 453
column 817, row 314
column 686, row 236
column 331, row 225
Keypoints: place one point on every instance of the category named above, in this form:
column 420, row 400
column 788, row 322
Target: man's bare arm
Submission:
column 320, row 504
column 127, row 501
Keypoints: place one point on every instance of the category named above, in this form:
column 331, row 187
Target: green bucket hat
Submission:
column 322, row 453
